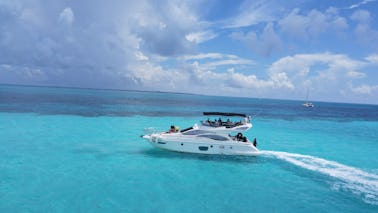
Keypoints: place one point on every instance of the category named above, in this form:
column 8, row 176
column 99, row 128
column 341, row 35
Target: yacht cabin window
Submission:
column 214, row 137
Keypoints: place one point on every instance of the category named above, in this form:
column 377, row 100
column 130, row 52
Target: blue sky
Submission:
column 262, row 49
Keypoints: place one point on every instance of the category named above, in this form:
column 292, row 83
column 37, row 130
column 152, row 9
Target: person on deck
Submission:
column 172, row 129
column 239, row 136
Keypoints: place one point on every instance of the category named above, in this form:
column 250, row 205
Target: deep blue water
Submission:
column 89, row 102
column 79, row 150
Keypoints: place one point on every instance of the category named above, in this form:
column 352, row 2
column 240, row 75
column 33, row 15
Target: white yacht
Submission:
column 210, row 137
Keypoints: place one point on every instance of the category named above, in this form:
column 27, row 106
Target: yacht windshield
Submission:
column 214, row 137
column 195, row 132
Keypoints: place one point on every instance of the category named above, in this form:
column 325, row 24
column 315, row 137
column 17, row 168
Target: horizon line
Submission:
column 170, row 92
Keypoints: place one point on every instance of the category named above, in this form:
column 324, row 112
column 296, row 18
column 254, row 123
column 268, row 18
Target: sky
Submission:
column 260, row 49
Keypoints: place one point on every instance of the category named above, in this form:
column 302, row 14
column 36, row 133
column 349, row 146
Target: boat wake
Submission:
column 354, row 180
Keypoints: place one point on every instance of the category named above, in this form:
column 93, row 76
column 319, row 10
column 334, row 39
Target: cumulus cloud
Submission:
column 326, row 72
column 207, row 73
column 355, row 74
column 152, row 77
column 163, row 29
column 363, row 30
column 300, row 64
column 362, row 16
column 264, row 44
column 67, row 16
column 365, row 89
column 252, row 13
column 102, row 43
column 372, row 58
column 302, row 25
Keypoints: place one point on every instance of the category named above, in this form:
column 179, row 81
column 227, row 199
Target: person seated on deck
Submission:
column 172, row 129
column 239, row 136
column 243, row 121
column 220, row 122
column 228, row 122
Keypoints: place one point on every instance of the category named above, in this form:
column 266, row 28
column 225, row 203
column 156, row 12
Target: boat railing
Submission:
column 227, row 124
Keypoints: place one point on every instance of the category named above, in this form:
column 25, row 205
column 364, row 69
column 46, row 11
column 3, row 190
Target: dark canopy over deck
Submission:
column 225, row 114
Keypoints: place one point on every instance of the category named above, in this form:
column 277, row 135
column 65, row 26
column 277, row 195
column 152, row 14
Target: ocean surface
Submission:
column 79, row 150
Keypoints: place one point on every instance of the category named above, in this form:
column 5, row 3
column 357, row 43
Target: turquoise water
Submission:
column 77, row 150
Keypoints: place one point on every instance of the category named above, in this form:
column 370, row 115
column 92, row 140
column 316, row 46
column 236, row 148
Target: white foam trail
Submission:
column 351, row 179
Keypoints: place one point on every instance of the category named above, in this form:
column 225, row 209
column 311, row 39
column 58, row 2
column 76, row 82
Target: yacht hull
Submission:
column 203, row 147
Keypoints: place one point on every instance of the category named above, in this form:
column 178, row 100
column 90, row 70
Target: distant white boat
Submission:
column 307, row 103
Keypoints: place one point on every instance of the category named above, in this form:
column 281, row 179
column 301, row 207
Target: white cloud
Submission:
column 6, row 67
column 301, row 63
column 360, row 4
column 24, row 72
column 239, row 80
column 265, row 44
column 200, row 37
column 363, row 30
column 362, row 16
column 140, row 56
column 372, row 58
column 31, row 16
column 67, row 16
column 206, row 76
column 252, row 13
column 106, row 42
column 225, row 62
column 152, row 76
column 327, row 73
column 171, row 39
column 281, row 80
column 365, row 89
column 211, row 61
column 203, row 56
column 294, row 24
column 355, row 74
column 303, row 26
column 275, row 81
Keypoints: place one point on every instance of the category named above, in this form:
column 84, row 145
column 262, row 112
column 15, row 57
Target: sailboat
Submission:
column 307, row 103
